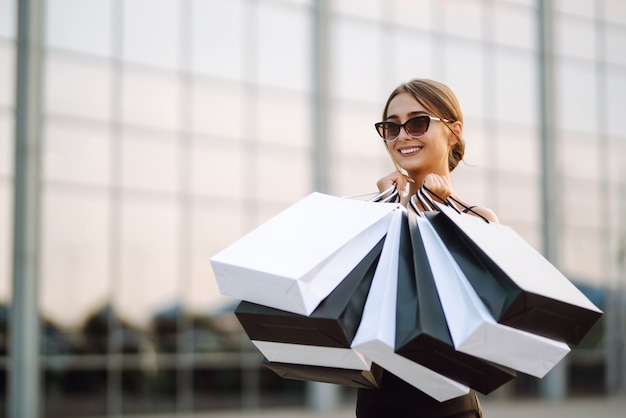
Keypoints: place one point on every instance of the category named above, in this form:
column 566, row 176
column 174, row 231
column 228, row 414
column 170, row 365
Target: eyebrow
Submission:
column 410, row 114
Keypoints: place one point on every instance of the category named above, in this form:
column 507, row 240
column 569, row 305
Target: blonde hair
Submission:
column 441, row 101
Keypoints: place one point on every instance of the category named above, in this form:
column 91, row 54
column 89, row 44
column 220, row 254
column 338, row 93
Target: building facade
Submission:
column 170, row 128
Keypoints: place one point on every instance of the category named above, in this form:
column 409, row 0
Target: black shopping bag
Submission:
column 518, row 285
column 421, row 327
column 332, row 324
column 366, row 379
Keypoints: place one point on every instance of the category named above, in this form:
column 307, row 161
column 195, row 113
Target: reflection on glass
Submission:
column 7, row 73
column 149, row 162
column 76, row 154
column 73, row 393
column 218, row 110
column 355, row 42
column 7, row 18
column 75, row 257
column 219, row 38
column 274, row 21
column 90, row 30
column 91, row 92
column 149, row 259
column 151, row 32
column 148, row 389
column 284, row 119
column 151, row 100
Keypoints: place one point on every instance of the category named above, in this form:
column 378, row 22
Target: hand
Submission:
column 439, row 186
column 394, row 179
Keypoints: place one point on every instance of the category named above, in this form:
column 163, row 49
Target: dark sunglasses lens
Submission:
column 388, row 130
column 417, row 126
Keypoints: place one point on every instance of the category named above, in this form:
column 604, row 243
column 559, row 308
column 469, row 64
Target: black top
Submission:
column 398, row 399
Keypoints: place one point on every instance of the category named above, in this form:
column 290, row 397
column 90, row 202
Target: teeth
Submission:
column 410, row 150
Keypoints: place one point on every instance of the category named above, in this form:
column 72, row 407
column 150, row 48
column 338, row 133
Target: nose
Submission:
column 403, row 134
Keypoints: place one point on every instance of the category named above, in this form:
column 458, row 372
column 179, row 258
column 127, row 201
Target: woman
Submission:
column 422, row 130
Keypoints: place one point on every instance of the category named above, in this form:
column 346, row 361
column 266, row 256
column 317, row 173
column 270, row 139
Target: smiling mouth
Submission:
column 410, row 150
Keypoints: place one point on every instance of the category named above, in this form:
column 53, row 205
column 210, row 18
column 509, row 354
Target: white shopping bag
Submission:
column 472, row 327
column 375, row 337
column 313, row 355
column 294, row 260
column 523, row 289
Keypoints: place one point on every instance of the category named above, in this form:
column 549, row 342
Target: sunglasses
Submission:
column 415, row 127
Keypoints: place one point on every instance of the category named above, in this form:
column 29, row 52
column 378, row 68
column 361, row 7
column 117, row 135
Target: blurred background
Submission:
column 169, row 128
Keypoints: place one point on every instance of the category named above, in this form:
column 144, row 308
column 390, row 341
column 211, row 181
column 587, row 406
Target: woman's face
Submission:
column 425, row 154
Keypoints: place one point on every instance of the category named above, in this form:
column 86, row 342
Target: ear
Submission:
column 456, row 132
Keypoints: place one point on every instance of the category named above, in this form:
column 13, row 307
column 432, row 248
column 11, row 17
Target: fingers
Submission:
column 438, row 185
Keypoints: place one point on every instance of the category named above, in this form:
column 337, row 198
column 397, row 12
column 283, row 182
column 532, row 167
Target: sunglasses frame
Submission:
column 379, row 125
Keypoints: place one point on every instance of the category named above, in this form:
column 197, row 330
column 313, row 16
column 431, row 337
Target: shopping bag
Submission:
column 422, row 333
column 472, row 327
column 375, row 338
column 517, row 284
column 366, row 379
column 313, row 355
column 294, row 260
column 332, row 324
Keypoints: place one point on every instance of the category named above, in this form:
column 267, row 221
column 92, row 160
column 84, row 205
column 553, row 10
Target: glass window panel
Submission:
column 75, row 255
column 580, row 157
column 77, row 87
column 6, row 241
column 7, row 74
column 469, row 182
column 359, row 175
column 148, row 389
column 575, row 37
column 8, row 13
column 150, row 99
column 218, row 109
column 616, row 157
column 283, row 176
column 479, row 146
column 615, row 36
column 514, row 26
column 585, row 8
column 517, row 202
column 150, row 164
column 582, row 257
column 412, row 53
column 367, row 8
column 218, row 38
column 417, row 14
column 355, row 42
column 149, row 251
column 615, row 102
column 219, row 171
column 464, row 74
column 212, row 229
column 151, row 32
column 463, row 18
column 516, row 150
column 515, row 88
column 220, row 388
column 352, row 134
column 614, row 11
column 7, row 141
column 581, row 202
column 576, row 96
column 284, row 119
column 283, row 43
column 76, row 153
column 73, row 393
column 79, row 25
